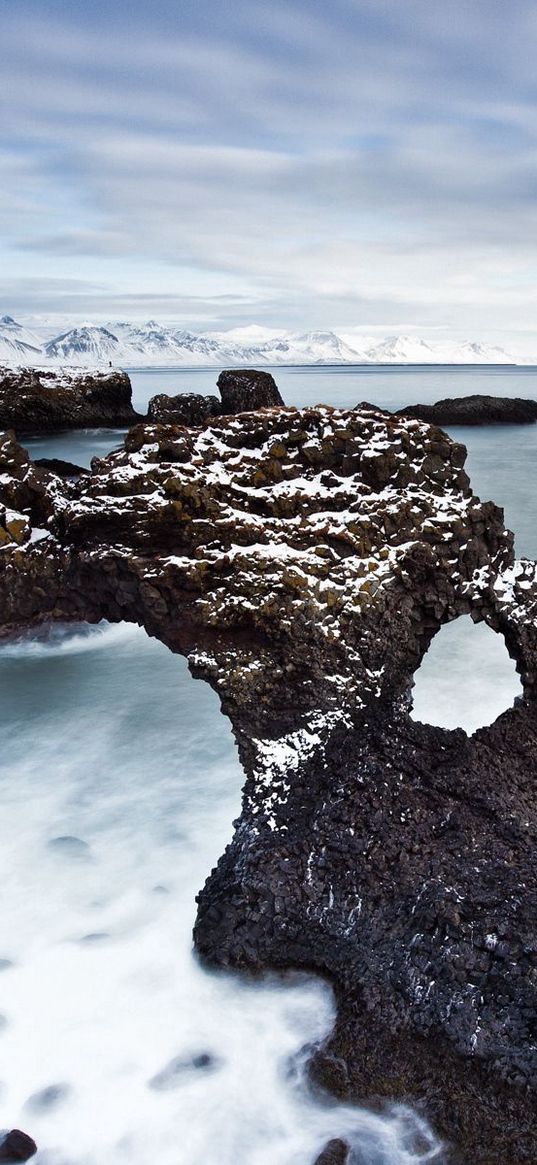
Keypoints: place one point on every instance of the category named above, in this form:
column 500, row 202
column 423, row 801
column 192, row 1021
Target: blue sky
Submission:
column 367, row 164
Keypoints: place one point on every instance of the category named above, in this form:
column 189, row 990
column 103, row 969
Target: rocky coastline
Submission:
column 35, row 401
column 475, row 410
column 302, row 560
column 39, row 401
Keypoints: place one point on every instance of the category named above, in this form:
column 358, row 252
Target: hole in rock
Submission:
column 466, row 679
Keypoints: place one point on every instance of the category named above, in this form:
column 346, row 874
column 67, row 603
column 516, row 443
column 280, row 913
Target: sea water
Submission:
column 119, row 784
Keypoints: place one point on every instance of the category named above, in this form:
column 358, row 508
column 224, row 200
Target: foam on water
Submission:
column 119, row 784
column 466, row 679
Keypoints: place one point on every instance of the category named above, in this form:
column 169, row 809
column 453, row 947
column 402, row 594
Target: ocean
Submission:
column 119, row 785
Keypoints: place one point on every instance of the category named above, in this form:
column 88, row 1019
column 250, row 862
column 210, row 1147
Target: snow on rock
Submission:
column 38, row 400
column 302, row 560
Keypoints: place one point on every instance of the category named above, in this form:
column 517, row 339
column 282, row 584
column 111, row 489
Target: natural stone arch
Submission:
column 302, row 561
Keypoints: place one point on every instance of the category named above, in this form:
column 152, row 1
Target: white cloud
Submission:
column 369, row 159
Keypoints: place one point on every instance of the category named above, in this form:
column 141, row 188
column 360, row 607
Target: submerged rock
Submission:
column 47, row 1098
column 17, row 1146
column 43, row 401
column 476, row 410
column 70, row 847
column 302, row 561
column 174, row 1073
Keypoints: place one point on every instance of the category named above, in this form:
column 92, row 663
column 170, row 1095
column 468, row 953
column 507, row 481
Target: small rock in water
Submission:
column 17, row 1146
column 60, row 467
column 336, row 1152
column 171, row 1076
column 47, row 1097
column 73, row 847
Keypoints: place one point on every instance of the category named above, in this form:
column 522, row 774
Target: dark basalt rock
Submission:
column 475, row 410
column 187, row 408
column 302, row 561
column 242, row 390
column 44, row 401
column 17, row 1146
column 336, row 1152
column 60, row 467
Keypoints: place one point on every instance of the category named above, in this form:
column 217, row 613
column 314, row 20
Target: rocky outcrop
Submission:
column 243, row 389
column 475, row 410
column 61, row 467
column 302, row 561
column 44, row 401
column 186, row 408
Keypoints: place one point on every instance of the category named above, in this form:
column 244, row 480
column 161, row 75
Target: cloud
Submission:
column 312, row 162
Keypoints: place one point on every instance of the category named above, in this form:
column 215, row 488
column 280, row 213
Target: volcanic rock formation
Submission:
column 303, row 560
column 476, row 410
column 241, row 390
column 43, row 401
column 186, row 408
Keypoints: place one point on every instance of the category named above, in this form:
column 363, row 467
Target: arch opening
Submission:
column 466, row 679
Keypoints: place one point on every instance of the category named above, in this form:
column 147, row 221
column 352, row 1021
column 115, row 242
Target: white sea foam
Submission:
column 466, row 679
column 65, row 639
column 118, row 788
column 109, row 743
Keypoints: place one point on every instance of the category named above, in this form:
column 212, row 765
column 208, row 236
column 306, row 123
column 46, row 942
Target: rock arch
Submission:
column 303, row 560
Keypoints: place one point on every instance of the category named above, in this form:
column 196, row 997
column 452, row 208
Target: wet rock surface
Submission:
column 181, row 1067
column 34, row 401
column 475, row 410
column 302, row 561
column 17, row 1146
column 336, row 1152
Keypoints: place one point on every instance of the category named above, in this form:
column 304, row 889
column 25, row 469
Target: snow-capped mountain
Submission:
column 153, row 345
column 17, row 344
column 413, row 350
column 88, row 341
column 401, row 350
column 474, row 353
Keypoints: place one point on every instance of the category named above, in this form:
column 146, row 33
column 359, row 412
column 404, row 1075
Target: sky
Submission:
column 362, row 166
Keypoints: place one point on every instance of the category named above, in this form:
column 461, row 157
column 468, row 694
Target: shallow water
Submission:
column 119, row 784
column 118, row 787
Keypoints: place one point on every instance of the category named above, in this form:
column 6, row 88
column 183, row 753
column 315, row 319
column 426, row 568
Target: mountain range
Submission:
column 153, row 345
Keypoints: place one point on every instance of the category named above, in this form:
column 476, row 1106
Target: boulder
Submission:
column 475, row 410
column 17, row 1146
column 243, row 389
column 34, row 401
column 187, row 408
column 336, row 1152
